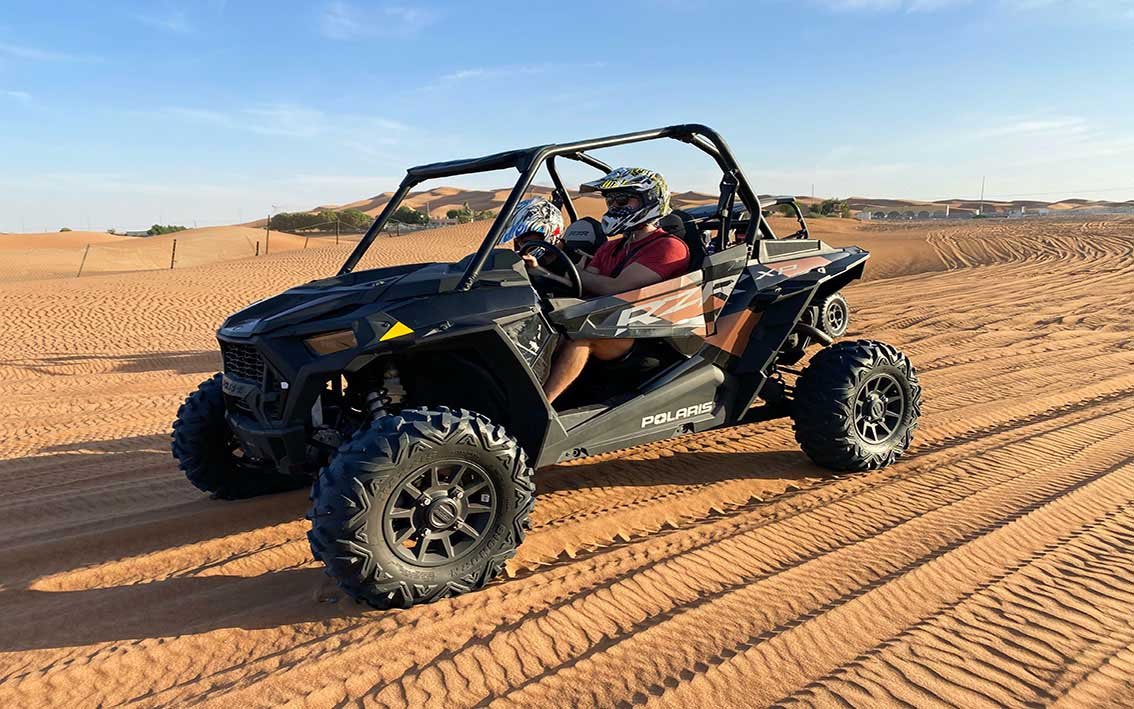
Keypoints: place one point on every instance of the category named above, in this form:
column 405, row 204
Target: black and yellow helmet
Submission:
column 647, row 185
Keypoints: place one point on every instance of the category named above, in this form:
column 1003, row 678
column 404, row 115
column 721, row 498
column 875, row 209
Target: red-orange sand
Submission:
column 993, row 565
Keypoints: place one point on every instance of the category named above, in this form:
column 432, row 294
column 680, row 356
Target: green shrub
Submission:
column 466, row 214
column 164, row 229
column 409, row 215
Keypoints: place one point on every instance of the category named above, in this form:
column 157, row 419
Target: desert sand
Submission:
column 990, row 566
column 61, row 255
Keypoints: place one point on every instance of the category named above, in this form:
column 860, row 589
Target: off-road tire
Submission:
column 834, row 315
column 351, row 494
column 824, row 405
column 203, row 445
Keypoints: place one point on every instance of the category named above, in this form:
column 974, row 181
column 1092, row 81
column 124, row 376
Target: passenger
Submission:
column 635, row 199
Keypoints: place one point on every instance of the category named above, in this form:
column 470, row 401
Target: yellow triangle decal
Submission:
column 397, row 330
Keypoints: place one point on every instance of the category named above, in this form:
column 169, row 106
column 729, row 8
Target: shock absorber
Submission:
column 389, row 395
column 376, row 404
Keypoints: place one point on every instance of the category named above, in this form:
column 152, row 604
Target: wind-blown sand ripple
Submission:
column 988, row 567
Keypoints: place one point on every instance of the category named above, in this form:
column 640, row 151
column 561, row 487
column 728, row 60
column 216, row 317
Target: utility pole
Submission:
column 980, row 209
column 337, row 222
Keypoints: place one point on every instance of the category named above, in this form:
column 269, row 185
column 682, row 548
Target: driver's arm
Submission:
column 633, row 276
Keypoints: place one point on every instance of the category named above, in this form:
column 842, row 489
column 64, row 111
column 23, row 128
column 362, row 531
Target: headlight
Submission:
column 331, row 342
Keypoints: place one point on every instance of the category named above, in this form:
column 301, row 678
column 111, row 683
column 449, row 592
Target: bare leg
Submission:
column 610, row 349
column 566, row 367
column 572, row 358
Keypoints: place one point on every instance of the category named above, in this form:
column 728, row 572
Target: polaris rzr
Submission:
column 412, row 395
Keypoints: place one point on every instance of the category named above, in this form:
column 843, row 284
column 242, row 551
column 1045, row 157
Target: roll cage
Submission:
column 528, row 161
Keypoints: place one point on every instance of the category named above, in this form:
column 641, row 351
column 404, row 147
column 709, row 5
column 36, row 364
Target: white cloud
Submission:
column 1123, row 9
column 1036, row 127
column 283, row 120
column 464, row 74
column 1103, row 8
column 172, row 21
column 357, row 133
column 505, row 72
column 198, row 115
column 17, row 51
column 21, row 96
column 892, row 5
column 342, row 20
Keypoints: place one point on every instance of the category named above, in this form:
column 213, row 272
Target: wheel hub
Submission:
column 836, row 317
column 879, row 408
column 443, row 514
column 440, row 513
column 876, row 407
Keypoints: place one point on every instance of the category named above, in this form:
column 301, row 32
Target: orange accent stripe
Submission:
column 673, row 284
column 734, row 331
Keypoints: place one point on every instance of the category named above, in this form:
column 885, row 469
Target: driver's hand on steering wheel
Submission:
column 530, row 261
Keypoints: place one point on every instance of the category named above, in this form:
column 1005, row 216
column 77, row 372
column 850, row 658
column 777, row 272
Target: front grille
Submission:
column 242, row 361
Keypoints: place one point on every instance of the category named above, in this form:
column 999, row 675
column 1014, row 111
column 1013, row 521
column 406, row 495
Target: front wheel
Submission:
column 209, row 454
column 856, row 406
column 420, row 506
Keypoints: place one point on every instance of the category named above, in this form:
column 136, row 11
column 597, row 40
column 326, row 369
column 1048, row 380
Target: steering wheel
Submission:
column 569, row 280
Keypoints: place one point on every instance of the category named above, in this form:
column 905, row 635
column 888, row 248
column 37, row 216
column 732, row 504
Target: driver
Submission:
column 635, row 199
column 535, row 219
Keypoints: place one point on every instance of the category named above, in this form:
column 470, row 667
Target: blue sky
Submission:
column 120, row 114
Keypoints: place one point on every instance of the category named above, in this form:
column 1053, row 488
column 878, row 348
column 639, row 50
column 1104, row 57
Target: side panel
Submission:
column 679, row 307
column 672, row 308
column 691, row 398
column 764, row 308
column 762, row 285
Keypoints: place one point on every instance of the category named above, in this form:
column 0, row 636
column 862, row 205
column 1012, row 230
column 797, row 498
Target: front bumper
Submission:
column 246, row 407
column 285, row 446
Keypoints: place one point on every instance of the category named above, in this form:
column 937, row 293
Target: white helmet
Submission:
column 647, row 185
column 534, row 215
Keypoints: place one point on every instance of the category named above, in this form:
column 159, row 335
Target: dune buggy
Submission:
column 412, row 395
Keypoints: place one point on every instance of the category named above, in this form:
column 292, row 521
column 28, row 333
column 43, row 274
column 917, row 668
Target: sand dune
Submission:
column 989, row 567
column 441, row 199
column 57, row 240
column 35, row 256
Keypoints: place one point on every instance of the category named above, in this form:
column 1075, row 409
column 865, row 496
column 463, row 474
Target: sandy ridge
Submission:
column 710, row 569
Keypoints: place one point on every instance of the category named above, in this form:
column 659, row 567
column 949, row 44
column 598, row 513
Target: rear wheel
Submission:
column 856, row 406
column 420, row 506
column 209, row 453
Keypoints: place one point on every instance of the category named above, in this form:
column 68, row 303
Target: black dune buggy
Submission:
column 412, row 394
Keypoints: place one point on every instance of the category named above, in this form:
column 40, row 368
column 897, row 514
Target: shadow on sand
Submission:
column 195, row 604
column 182, row 362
